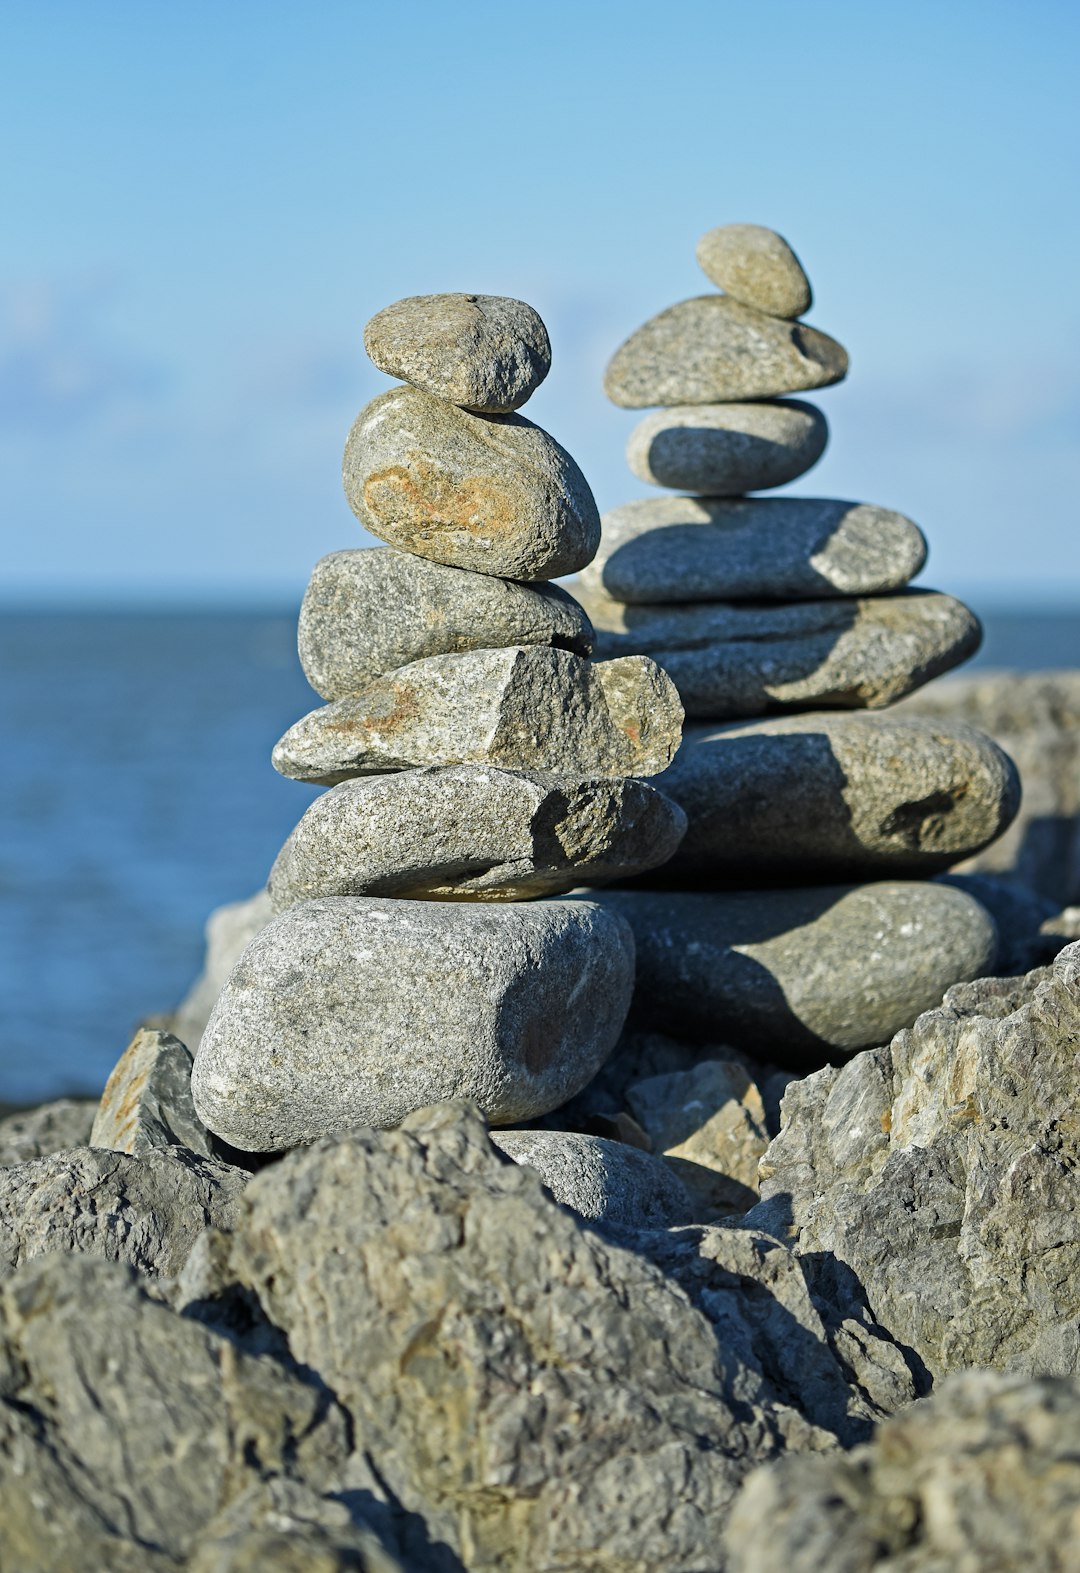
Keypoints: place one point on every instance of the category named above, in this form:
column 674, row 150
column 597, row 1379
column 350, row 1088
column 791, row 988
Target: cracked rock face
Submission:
column 756, row 266
column 488, row 353
column 727, row 449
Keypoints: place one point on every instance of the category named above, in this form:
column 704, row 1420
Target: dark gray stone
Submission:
column 147, row 1099
column 51, row 1127
column 727, row 449
column 757, row 266
column 605, row 1181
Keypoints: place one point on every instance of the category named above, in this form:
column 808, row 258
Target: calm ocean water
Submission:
column 138, row 794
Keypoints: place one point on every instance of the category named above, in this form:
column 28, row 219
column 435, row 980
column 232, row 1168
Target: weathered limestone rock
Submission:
column 730, row 660
column 605, row 1181
column 752, row 549
column 279, row 1525
column 352, row 1011
column 713, row 350
column 491, row 493
column 485, row 352
column 709, row 1123
column 799, row 971
column 229, row 931
column 51, row 1127
column 371, row 610
column 727, row 449
column 147, row 1100
column 757, row 266
column 519, row 708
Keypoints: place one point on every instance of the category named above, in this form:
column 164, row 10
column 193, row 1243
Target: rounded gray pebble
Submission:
column 727, row 449
column 756, row 266
column 488, row 353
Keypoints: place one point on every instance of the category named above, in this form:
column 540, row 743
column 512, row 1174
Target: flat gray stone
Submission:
column 727, row 449
column 473, row 832
column 756, row 266
column 712, row 350
column 834, row 795
column 371, row 610
column 229, row 931
column 147, row 1099
column 752, row 549
column 485, row 352
column 728, row 660
column 523, row 708
column 605, row 1181
column 491, row 493
column 51, row 1127
column 350, row 1011
column 796, row 971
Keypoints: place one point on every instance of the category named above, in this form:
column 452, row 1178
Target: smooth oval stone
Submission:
column 829, row 795
column 727, row 449
column 485, row 352
column 730, row 660
column 491, row 493
column 473, row 832
column 606, row 1181
column 796, row 971
column 752, row 549
column 757, row 266
column 524, row 708
column 372, row 609
column 711, row 350
column 352, row 1011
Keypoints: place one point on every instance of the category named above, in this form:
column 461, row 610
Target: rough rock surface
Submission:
column 51, row 1127
column 727, row 449
column 940, row 1174
column 712, row 350
column 491, row 493
column 834, row 795
column 752, row 548
column 521, row 708
column 279, row 1525
column 229, row 931
column 475, row 832
column 605, row 1181
column 709, row 1124
column 730, row 660
column 795, row 970
column 981, row 1478
column 485, row 352
column 370, row 610
column 757, row 266
column 351, row 1011
column 147, row 1099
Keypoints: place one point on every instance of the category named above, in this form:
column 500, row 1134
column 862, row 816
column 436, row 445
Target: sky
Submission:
column 203, row 204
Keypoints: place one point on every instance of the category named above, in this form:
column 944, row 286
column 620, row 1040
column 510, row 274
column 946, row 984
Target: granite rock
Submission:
column 491, row 493
column 485, row 352
column 350, row 1011
column 605, row 1181
column 147, row 1099
column 800, row 971
column 752, row 549
column 709, row 1124
column 51, row 1127
column 728, row 660
column 713, row 350
column 519, row 708
column 756, row 266
column 229, row 931
column 474, row 832
column 727, row 449
column 371, row 610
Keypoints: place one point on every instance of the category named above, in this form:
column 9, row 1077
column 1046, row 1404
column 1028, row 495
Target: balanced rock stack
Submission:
column 478, row 762
column 796, row 915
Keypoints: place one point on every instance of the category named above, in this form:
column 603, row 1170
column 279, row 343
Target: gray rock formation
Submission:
column 371, row 610
column 229, row 931
column 51, row 1127
column 756, row 266
column 485, row 352
column 491, row 493
column 605, row 1181
column 474, row 832
column 521, row 708
column 727, row 449
column 279, row 1525
column 709, row 1124
column 147, row 1100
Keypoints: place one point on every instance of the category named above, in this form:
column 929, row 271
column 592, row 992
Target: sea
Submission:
column 136, row 794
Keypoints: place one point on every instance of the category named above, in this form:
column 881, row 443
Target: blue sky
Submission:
column 206, row 202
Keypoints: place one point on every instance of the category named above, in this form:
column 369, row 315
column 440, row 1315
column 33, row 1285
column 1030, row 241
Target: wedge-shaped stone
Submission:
column 796, row 971
column 757, row 266
column 731, row 660
column 604, row 1180
column 371, row 610
column 492, row 493
column 486, row 352
column 147, row 1099
column 752, row 549
column 829, row 795
column 521, row 708
column 356, row 1011
column 711, row 350
column 727, row 449
column 474, row 832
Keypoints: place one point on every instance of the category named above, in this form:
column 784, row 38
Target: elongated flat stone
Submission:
column 521, row 708
column 795, row 971
column 606, row 1181
column 351, row 1011
column 485, row 352
column 728, row 660
column 727, row 449
column 491, row 493
column 757, row 266
column 712, row 349
column 752, row 549
column 834, row 795
column 373, row 609
column 475, row 833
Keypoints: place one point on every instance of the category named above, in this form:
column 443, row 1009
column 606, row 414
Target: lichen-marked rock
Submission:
column 605, row 1181
column 147, row 1099
column 727, row 449
column 756, row 266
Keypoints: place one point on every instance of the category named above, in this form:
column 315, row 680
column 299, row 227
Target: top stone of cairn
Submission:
column 487, row 353
column 757, row 267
